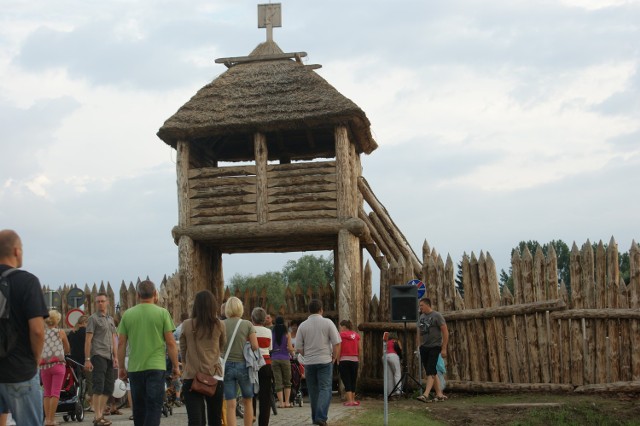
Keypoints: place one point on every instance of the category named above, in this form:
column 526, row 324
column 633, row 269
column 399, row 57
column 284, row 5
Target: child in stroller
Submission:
column 72, row 393
column 297, row 377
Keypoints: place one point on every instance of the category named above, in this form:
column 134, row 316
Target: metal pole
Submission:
column 386, row 381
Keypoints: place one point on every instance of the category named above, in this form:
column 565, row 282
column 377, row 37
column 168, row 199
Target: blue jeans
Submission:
column 147, row 394
column 236, row 374
column 24, row 400
column 319, row 386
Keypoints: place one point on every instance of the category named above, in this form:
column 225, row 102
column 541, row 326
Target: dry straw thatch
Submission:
column 268, row 96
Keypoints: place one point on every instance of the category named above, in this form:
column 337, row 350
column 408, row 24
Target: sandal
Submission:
column 423, row 398
column 441, row 398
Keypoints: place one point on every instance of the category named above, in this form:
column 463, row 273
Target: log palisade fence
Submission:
column 294, row 308
column 540, row 337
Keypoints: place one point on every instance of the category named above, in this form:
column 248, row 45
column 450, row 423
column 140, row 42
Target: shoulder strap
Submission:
column 6, row 291
column 230, row 341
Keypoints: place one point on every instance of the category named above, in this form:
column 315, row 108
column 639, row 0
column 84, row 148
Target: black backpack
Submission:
column 8, row 332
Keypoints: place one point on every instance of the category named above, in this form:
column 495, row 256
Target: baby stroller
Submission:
column 169, row 397
column 72, row 393
column 297, row 376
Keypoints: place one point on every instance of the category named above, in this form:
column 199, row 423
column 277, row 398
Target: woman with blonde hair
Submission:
column 238, row 332
column 52, row 365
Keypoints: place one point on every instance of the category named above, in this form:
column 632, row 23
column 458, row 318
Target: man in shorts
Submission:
column 434, row 337
column 100, row 350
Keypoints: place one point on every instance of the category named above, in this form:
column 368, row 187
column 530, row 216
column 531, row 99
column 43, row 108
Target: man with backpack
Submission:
column 23, row 319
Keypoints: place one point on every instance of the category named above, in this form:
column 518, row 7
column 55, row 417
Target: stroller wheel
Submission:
column 65, row 418
column 79, row 414
column 165, row 411
column 171, row 410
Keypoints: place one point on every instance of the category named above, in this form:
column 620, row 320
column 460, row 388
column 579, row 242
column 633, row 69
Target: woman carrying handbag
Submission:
column 201, row 341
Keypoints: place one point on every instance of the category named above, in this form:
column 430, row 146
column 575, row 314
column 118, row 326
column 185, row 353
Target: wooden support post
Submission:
column 346, row 197
column 261, row 155
column 348, row 276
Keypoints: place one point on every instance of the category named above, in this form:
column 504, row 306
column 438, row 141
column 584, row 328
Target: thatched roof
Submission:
column 282, row 98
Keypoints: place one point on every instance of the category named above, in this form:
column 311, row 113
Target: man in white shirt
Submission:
column 319, row 341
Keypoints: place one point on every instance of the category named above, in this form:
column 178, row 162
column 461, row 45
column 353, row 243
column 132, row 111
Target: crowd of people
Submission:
column 248, row 359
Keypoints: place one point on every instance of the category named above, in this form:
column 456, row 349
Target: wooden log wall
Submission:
column 223, row 195
column 539, row 337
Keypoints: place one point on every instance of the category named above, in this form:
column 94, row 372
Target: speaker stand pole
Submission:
column 405, row 368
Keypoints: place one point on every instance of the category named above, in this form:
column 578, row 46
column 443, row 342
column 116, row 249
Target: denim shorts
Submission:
column 236, row 374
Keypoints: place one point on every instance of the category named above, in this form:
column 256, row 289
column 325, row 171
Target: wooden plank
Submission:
column 575, row 325
column 554, row 349
column 634, row 303
column 512, row 349
column 261, row 154
column 182, row 172
column 302, row 206
column 304, row 196
column 617, row 387
column 295, row 173
column 302, row 180
column 507, row 387
column 604, row 314
column 481, row 338
column 301, row 165
column 600, row 301
column 224, row 211
column 613, row 280
column 225, row 201
column 214, row 172
column 388, row 224
column 228, row 219
column 530, row 320
column 589, row 301
column 343, row 172
column 539, row 293
column 222, row 181
column 625, row 336
column 490, row 328
column 312, row 214
column 302, row 189
column 222, row 191
column 375, row 235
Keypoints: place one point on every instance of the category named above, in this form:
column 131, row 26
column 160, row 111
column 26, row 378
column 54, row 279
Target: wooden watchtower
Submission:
column 298, row 143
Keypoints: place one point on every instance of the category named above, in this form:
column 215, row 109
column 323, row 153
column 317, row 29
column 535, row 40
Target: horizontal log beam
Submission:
column 310, row 166
column 506, row 311
column 232, row 220
column 304, row 196
column 221, row 212
column 271, row 229
column 213, row 172
column 457, row 385
column 300, row 189
column 221, row 191
column 301, row 206
column 221, row 181
column 226, row 201
column 319, row 171
column 297, row 215
column 633, row 386
column 597, row 314
column 300, row 180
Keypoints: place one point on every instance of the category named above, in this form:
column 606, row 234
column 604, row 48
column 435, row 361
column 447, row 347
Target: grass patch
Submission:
column 397, row 417
column 583, row 414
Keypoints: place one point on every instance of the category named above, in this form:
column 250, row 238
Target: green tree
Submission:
column 272, row 281
column 309, row 270
column 562, row 254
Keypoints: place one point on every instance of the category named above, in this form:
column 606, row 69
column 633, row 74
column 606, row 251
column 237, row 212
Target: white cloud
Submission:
column 486, row 113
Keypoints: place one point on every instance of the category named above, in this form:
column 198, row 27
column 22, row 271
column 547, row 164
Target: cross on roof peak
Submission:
column 269, row 16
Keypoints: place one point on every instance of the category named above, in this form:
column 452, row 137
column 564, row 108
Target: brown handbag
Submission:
column 204, row 384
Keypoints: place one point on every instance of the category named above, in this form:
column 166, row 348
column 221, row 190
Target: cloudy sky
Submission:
column 498, row 120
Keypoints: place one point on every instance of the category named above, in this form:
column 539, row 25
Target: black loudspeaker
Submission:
column 404, row 303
